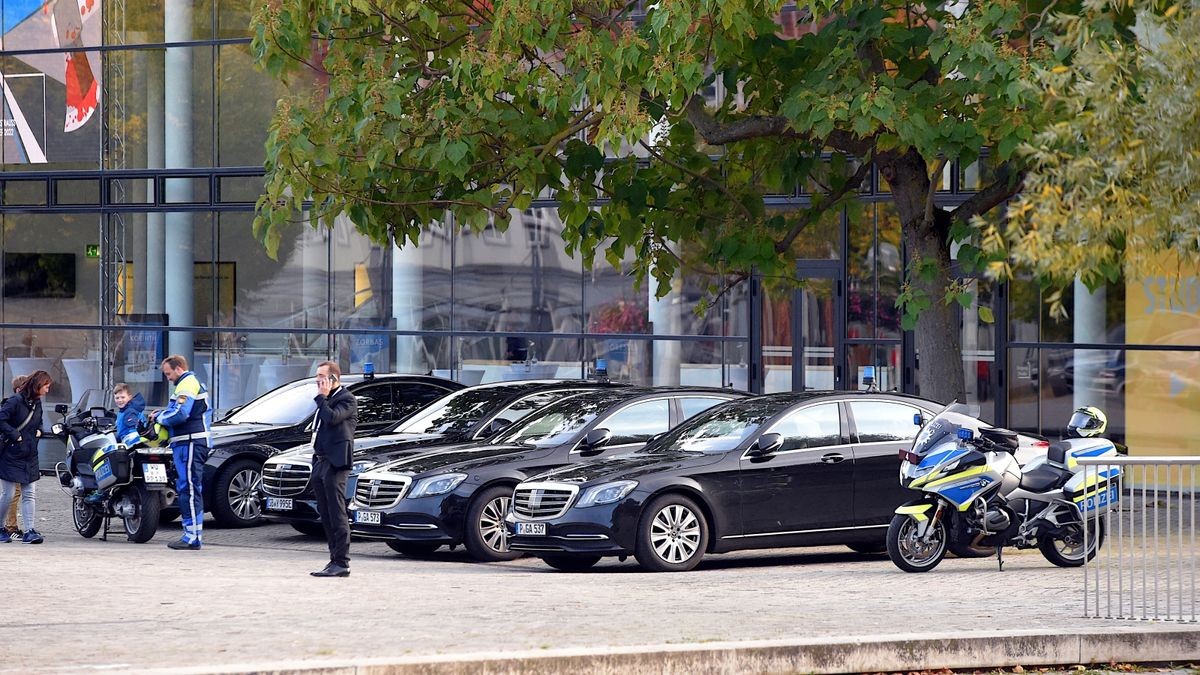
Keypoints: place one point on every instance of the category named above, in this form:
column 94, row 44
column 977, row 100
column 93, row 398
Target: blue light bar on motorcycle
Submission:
column 917, row 419
column 965, row 434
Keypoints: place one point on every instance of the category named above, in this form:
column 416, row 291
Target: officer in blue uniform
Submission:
column 187, row 418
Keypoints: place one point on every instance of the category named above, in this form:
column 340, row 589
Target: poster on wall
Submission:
column 49, row 100
column 1162, row 388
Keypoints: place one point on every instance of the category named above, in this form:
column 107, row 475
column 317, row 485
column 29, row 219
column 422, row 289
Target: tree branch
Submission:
column 831, row 197
column 1006, row 185
column 716, row 133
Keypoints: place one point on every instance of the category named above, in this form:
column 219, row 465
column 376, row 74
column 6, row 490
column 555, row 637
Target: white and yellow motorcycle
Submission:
column 976, row 496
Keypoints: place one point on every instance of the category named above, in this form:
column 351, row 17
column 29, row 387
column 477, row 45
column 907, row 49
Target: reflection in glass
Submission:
column 720, row 429
column 558, row 423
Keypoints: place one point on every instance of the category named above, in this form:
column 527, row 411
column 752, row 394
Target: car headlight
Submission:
column 437, row 485
column 360, row 467
column 606, row 493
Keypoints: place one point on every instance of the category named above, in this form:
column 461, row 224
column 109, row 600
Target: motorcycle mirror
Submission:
column 767, row 443
column 62, row 409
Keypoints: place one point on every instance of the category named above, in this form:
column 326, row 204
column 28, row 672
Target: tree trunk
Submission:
column 938, row 335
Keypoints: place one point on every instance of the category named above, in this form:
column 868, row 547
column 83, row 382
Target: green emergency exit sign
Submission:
column 92, row 250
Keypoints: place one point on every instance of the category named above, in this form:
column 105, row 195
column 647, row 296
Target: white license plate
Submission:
column 366, row 517
column 278, row 504
column 535, row 529
column 154, row 473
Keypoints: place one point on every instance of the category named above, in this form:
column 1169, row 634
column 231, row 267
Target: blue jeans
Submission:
column 7, row 489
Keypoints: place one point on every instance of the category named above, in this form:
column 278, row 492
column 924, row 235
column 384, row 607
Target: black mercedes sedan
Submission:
column 460, row 494
column 794, row 469
column 466, row 416
column 281, row 419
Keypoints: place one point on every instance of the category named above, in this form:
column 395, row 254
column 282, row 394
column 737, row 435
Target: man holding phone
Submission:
column 333, row 443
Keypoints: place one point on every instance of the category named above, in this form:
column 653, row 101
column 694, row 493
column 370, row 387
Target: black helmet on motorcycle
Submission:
column 1086, row 422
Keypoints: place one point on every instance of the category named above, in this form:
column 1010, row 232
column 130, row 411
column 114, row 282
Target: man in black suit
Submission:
column 333, row 441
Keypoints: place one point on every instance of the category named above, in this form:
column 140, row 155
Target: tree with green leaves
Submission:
column 1114, row 187
column 423, row 106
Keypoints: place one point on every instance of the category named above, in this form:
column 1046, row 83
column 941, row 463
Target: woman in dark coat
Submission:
column 20, row 428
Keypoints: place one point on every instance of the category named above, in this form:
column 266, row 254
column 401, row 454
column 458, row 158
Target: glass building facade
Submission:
column 132, row 158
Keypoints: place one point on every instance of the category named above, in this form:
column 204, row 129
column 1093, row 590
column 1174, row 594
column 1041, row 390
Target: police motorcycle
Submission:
column 977, row 497
column 107, row 477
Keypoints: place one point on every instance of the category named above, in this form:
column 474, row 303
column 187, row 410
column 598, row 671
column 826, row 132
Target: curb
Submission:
column 905, row 652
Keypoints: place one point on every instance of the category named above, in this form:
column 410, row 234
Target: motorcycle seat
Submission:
column 1057, row 454
column 1043, row 478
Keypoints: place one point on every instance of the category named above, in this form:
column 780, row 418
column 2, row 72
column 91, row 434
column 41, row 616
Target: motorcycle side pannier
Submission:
column 112, row 466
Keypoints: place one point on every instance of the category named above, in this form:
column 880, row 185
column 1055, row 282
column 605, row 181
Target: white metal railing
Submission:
column 1146, row 565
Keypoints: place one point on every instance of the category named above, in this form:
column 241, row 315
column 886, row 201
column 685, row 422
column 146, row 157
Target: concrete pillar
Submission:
column 1089, row 319
column 407, row 306
column 666, row 320
column 154, row 281
column 177, row 108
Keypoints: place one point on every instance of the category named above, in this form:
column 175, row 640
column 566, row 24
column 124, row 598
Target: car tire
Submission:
column 571, row 563
column 236, row 501
column 672, row 535
column 415, row 549
column 314, row 530
column 484, row 532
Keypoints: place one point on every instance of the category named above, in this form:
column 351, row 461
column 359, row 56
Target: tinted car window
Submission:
column 289, row 404
column 409, row 397
column 880, row 421
column 454, row 413
column 639, row 422
column 520, row 408
column 812, row 427
column 374, row 404
column 695, row 406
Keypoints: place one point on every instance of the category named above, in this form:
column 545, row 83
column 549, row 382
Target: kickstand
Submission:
column 104, row 534
column 1000, row 557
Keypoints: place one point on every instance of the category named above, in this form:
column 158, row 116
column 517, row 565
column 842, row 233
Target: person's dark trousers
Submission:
column 330, row 484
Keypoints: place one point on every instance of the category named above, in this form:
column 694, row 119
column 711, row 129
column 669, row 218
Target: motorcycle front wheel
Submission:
column 141, row 526
column 908, row 550
column 1065, row 548
column 87, row 519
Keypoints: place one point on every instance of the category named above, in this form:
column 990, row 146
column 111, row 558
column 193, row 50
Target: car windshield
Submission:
column 451, row 414
column 719, row 429
column 289, row 404
column 560, row 422
column 945, row 426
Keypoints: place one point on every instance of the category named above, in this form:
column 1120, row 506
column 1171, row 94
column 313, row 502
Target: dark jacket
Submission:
column 132, row 417
column 19, row 461
column 337, row 417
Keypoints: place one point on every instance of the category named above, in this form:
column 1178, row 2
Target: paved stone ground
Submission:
column 247, row 599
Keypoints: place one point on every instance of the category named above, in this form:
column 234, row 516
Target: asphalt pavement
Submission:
column 246, row 603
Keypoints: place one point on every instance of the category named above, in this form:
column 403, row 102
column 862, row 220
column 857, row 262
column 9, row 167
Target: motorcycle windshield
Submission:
column 944, row 427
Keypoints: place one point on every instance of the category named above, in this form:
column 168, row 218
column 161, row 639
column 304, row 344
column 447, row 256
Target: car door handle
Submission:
column 832, row 458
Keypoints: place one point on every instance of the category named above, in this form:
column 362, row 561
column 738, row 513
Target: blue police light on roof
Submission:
column 369, row 370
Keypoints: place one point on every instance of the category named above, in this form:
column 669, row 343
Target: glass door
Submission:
column 819, row 325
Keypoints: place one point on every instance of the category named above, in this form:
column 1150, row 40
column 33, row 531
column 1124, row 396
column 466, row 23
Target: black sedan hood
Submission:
column 226, row 433
column 461, row 459
column 629, row 466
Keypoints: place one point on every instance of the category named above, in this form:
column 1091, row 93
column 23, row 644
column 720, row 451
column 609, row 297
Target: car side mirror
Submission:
column 497, row 425
column 595, row 440
column 62, row 409
column 766, row 444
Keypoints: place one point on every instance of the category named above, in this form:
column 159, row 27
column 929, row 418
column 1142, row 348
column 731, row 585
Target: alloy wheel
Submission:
column 491, row 524
column 675, row 534
column 918, row 551
column 243, row 494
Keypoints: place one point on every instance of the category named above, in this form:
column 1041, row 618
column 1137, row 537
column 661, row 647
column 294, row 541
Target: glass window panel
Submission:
column 975, row 175
column 243, row 189
column 246, row 99
column 518, row 280
column 885, row 359
column 165, row 111
column 289, row 293
column 72, row 358
column 25, row 192
column 49, row 124
column 77, row 192
column 889, row 271
column 48, row 277
column 487, row 358
column 879, row 421
column 144, row 21
column 1024, row 309
column 625, row 360
column 638, row 423
column 821, row 239
column 234, row 19
column 813, row 427
column 613, row 304
column 860, row 286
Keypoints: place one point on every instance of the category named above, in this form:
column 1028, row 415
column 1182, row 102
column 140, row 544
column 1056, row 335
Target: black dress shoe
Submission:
column 332, row 570
column 181, row 545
